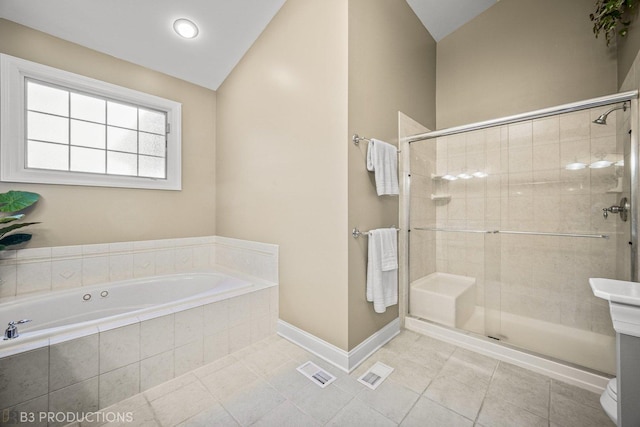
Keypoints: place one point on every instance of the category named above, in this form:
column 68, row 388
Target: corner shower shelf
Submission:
column 446, row 197
column 617, row 188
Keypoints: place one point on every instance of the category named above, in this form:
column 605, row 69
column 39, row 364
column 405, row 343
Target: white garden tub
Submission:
column 101, row 344
column 81, row 311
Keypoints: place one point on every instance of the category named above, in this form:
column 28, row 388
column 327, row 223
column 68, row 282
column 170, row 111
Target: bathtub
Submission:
column 104, row 343
column 114, row 304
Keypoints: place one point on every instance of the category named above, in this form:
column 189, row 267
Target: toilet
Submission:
column 609, row 400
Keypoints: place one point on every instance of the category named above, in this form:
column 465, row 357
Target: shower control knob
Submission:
column 622, row 209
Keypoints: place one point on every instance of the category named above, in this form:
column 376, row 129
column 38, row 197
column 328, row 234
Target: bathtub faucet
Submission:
column 12, row 331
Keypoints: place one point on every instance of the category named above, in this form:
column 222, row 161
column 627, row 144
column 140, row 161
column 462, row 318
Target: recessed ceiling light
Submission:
column 185, row 28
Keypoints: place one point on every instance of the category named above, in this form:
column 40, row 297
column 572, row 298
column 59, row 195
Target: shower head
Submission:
column 602, row 119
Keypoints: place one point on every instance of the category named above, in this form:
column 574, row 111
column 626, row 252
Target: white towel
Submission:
column 382, row 269
column 382, row 158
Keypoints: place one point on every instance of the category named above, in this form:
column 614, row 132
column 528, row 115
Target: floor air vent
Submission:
column 375, row 375
column 316, row 374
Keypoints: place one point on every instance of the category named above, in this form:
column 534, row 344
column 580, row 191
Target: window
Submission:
column 61, row 128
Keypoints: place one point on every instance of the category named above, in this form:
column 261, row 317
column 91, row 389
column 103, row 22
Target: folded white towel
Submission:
column 389, row 249
column 382, row 269
column 382, row 158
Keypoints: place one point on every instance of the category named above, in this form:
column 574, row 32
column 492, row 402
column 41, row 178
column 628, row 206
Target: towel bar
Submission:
column 357, row 138
column 357, row 233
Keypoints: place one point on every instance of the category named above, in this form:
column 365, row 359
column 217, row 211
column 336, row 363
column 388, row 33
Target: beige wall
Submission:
column 282, row 150
column 391, row 69
column 74, row 215
column 518, row 56
column 627, row 49
column 288, row 173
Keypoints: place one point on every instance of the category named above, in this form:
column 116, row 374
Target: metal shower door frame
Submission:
column 629, row 96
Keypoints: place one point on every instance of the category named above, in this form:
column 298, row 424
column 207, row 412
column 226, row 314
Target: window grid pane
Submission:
column 44, row 155
column 119, row 138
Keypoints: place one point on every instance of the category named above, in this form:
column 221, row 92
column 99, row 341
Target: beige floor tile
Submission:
column 428, row 352
column 350, row 384
column 390, row 399
column 356, row 413
column 321, row 403
column 294, row 352
column 260, row 386
column 170, row 386
column 182, row 404
column 129, row 404
column 499, row 413
column 568, row 413
column 287, row 380
column 214, row 415
column 286, row 415
column 427, row 413
column 402, row 341
column 265, row 360
column 576, row 394
column 465, row 372
column 228, row 380
column 522, row 388
column 465, row 399
column 485, row 366
column 430, row 345
column 215, row 366
column 143, row 416
column 414, row 376
column 251, row 403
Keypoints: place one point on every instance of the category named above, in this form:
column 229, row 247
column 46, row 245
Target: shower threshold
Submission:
column 583, row 348
column 544, row 358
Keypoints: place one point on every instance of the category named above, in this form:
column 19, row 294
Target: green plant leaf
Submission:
column 14, row 201
column 609, row 16
column 12, row 227
column 15, row 239
column 11, row 218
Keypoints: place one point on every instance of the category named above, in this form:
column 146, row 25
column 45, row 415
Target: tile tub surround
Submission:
column 77, row 372
column 433, row 384
column 98, row 370
column 29, row 271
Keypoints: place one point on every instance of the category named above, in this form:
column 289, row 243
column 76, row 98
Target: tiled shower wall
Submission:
column 422, row 253
column 527, row 189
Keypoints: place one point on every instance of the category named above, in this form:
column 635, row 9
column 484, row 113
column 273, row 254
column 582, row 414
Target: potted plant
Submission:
column 11, row 203
column 611, row 15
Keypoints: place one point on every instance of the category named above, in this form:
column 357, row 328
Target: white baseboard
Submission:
column 345, row 360
column 569, row 374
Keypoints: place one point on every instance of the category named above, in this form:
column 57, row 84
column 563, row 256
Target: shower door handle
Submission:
column 621, row 209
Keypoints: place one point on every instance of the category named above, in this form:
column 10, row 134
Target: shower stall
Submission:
column 508, row 219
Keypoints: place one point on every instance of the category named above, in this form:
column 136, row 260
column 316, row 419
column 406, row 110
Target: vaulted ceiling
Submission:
column 141, row 31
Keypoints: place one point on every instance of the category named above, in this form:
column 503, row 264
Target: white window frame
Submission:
column 13, row 74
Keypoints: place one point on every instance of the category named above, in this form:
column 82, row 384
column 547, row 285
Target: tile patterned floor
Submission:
column 433, row 384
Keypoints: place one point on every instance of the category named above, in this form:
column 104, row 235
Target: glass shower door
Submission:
column 515, row 215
